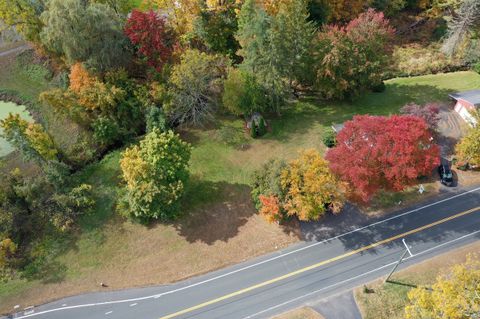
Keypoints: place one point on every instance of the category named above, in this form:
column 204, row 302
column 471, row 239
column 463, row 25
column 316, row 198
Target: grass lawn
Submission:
column 219, row 226
column 387, row 301
column 302, row 313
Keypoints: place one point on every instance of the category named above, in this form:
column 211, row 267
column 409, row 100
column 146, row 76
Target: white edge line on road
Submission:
column 406, row 246
column 108, row 312
column 359, row 276
column 255, row 264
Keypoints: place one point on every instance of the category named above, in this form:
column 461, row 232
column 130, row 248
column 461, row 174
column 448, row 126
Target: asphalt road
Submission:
column 289, row 278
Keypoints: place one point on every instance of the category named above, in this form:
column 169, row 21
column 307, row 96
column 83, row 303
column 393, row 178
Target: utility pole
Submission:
column 407, row 251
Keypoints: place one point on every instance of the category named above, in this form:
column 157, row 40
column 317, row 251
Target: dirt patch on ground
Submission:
column 302, row 313
column 387, row 301
column 451, row 129
column 133, row 255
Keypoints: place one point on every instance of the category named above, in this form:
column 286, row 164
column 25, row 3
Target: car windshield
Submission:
column 447, row 175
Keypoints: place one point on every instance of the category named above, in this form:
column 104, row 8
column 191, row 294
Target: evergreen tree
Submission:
column 291, row 37
column 256, row 49
column 253, row 24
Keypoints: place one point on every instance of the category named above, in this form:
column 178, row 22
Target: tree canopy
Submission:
column 454, row 295
column 147, row 30
column 155, row 173
column 80, row 31
column 195, row 87
column 378, row 152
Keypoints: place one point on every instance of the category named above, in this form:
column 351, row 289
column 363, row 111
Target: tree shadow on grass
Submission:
column 301, row 116
column 216, row 211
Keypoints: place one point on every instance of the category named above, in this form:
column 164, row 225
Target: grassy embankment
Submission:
column 220, row 226
column 387, row 301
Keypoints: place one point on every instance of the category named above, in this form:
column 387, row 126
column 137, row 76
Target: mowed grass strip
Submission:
column 219, row 225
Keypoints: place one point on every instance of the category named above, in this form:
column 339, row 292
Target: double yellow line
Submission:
column 317, row 265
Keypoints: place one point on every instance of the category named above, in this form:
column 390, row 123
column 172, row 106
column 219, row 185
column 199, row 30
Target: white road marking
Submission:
column 406, row 246
column 255, row 264
column 64, row 305
column 356, row 277
column 133, row 304
column 108, row 312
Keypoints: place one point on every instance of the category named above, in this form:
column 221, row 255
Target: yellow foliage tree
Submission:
column 182, row 13
column 455, row 295
column 41, row 141
column 346, row 10
column 310, row 187
column 22, row 133
column 468, row 150
column 7, row 250
column 273, row 6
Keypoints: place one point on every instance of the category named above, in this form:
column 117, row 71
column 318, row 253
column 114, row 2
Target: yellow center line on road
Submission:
column 322, row 263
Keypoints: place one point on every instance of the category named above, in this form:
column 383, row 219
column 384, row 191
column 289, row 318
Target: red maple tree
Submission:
column 377, row 152
column 147, row 30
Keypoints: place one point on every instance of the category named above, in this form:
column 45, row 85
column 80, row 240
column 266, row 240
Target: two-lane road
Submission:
column 285, row 279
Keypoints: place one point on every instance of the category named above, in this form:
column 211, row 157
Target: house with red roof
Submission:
column 466, row 104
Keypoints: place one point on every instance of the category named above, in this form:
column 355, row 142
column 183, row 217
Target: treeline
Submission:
column 125, row 72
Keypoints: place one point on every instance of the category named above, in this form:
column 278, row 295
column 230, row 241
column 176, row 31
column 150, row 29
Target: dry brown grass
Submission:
column 125, row 255
column 388, row 300
column 301, row 313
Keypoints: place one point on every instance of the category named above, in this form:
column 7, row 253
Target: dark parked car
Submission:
column 446, row 176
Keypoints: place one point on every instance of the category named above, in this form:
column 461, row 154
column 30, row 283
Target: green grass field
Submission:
column 218, row 216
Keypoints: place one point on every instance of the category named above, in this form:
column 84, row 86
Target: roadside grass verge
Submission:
column 387, row 301
column 219, row 225
column 301, row 313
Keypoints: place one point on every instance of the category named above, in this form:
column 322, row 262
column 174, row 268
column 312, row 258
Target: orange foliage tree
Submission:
column 270, row 208
column 80, row 78
column 304, row 188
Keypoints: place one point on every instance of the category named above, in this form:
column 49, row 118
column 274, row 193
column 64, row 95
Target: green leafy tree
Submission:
column 66, row 207
column 267, row 181
column 80, row 31
column 195, row 87
column 253, row 24
column 290, row 41
column 121, row 7
column 256, row 50
column 105, row 130
column 243, row 95
column 216, row 28
column 156, row 119
column 155, row 172
column 389, row 7
column 24, row 16
column 319, row 11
